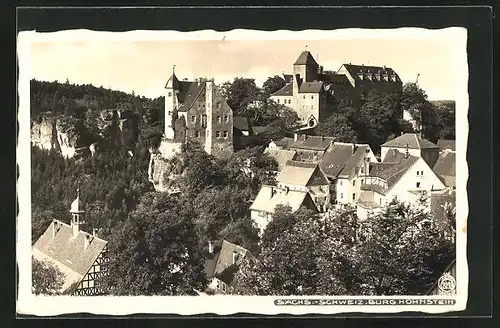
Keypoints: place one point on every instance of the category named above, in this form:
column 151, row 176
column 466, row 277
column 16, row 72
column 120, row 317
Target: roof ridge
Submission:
column 418, row 141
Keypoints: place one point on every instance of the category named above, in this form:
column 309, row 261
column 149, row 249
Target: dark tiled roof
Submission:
column 287, row 90
column 175, row 81
column 312, row 142
column 260, row 129
column 392, row 172
column 336, row 79
column 240, row 123
column 354, row 70
column 445, row 168
column 336, row 158
column 194, row 91
column 305, row 58
column 285, row 143
column 412, row 140
column 183, row 90
column 393, row 156
column 446, row 144
column 302, row 174
column 69, row 250
column 311, row 87
column 282, row 156
column 220, row 265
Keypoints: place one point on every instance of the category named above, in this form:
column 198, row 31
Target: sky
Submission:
column 144, row 66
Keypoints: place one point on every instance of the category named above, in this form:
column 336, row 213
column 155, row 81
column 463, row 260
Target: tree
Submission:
column 239, row 94
column 399, row 251
column 156, row 251
column 338, row 125
column 271, row 85
column 47, row 279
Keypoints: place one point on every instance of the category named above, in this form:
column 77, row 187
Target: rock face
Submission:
column 160, row 170
column 44, row 133
column 113, row 128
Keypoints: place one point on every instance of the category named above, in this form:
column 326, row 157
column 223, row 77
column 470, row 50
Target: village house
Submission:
column 346, row 165
column 314, row 95
column 222, row 265
column 401, row 176
column 308, row 177
column 416, row 147
column 79, row 255
column 262, row 208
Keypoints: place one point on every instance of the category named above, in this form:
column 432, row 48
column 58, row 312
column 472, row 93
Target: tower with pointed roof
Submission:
column 172, row 87
column 306, row 67
column 77, row 210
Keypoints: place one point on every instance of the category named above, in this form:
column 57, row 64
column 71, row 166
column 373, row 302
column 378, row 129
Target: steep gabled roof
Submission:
column 270, row 196
column 341, row 159
column 175, row 82
column 412, row 140
column 288, row 77
column 287, row 90
column 194, row 91
column 220, row 264
column 445, row 168
column 302, row 174
column 68, row 253
column 392, row 172
column 282, row 156
column 240, row 123
column 306, row 58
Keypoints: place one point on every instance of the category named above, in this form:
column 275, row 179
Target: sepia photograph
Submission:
column 307, row 171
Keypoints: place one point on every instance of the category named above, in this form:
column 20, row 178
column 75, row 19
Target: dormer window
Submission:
column 385, row 77
column 394, row 78
column 360, row 75
column 369, row 77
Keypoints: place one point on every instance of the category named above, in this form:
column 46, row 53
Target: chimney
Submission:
column 235, row 257
column 287, row 189
column 322, row 138
column 295, row 137
column 210, row 247
column 305, row 137
column 95, row 233
column 86, row 242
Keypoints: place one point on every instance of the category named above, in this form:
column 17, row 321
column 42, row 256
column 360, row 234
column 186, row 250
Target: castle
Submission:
column 194, row 110
column 314, row 95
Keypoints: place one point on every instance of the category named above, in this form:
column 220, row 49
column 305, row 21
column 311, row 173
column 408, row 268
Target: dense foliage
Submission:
column 47, row 279
column 401, row 251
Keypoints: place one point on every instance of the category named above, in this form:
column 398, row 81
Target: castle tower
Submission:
column 77, row 210
column 209, row 97
column 172, row 88
column 307, row 67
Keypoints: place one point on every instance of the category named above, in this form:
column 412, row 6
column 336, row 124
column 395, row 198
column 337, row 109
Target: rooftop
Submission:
column 271, row 196
column 354, row 70
column 287, row 90
column 220, row 264
column 410, row 140
column 392, row 172
column 445, row 168
column 311, row 87
column 446, row 144
column 312, row 142
column 342, row 158
column 282, row 156
column 306, row 58
column 68, row 252
column 302, row 174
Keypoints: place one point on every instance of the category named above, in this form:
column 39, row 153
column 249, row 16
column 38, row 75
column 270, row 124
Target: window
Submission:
column 193, row 118
column 224, row 287
column 219, row 119
column 278, row 100
column 217, row 134
column 169, row 113
column 312, row 97
column 418, row 172
column 218, row 105
column 226, row 118
column 225, row 134
column 289, row 101
column 304, row 97
column 218, row 284
column 197, row 134
column 354, row 196
column 362, row 181
column 418, row 184
column 340, row 182
column 170, row 94
column 341, row 195
column 353, row 183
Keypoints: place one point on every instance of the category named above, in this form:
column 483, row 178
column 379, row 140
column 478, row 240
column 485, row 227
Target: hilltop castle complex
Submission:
column 314, row 95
